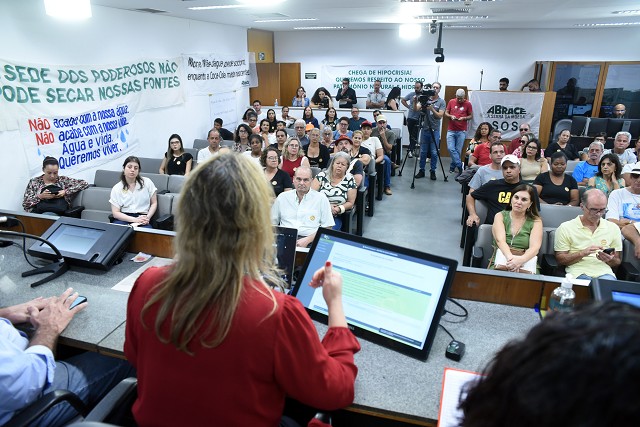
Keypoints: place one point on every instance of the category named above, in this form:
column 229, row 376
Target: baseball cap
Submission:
column 344, row 138
column 366, row 123
column 381, row 117
column 309, row 127
column 635, row 169
column 511, row 158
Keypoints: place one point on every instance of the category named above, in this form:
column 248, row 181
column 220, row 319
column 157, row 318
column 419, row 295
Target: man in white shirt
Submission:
column 304, row 209
column 213, row 148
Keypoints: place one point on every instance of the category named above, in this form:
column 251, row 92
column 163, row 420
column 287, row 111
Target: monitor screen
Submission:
column 629, row 298
column 392, row 296
column 616, row 290
column 78, row 240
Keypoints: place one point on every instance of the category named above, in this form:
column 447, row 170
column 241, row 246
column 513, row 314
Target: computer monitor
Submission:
column 616, row 290
column 392, row 296
column 87, row 243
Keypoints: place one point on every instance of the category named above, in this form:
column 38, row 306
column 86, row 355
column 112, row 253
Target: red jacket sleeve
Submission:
column 318, row 374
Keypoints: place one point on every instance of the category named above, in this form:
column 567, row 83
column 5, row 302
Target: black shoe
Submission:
column 433, row 175
column 420, row 174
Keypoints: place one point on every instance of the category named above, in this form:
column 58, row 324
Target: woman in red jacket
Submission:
column 213, row 343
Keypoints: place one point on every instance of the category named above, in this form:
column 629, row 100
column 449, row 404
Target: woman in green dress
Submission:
column 517, row 233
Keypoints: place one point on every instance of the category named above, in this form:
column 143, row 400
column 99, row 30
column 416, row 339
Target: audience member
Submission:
column 50, row 192
column 280, row 125
column 491, row 171
column 308, row 118
column 591, row 351
column 300, row 128
column 386, row 137
column 242, row 138
column 338, row 185
column 375, row 115
column 292, row 156
column 600, row 137
column 532, row 163
column 503, row 84
column 619, row 110
column 278, row 179
column 133, row 200
column 245, row 115
column 620, row 145
column 563, row 144
column 257, row 107
column 214, row 313
column 271, row 117
column 327, row 138
column 374, row 145
column 281, row 138
column 343, row 128
column 430, row 133
column 317, row 154
column 517, row 233
column 556, row 187
column 588, row 168
column 515, row 143
column 607, row 178
column 392, row 102
column 321, row 99
column 497, row 193
column 480, row 144
column 224, row 133
column 255, row 149
column 631, row 233
column 176, row 161
column 459, row 112
column 357, row 150
column 355, row 121
column 252, row 122
column 300, row 100
column 303, row 209
column 265, row 132
column 579, row 242
column 214, row 146
column 285, row 117
column 532, row 85
column 413, row 115
column 29, row 370
column 623, row 207
column 346, row 96
column 330, row 119
column 376, row 98
column 627, row 168
column 356, row 167
column 524, row 139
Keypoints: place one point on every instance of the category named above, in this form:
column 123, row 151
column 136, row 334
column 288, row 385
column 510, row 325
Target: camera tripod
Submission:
column 413, row 142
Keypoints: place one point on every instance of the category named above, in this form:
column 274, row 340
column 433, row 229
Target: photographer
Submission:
column 413, row 115
column 431, row 107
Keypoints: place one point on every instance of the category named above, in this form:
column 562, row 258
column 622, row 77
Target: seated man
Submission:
column 385, row 135
column 28, row 369
column 342, row 129
column 375, row 146
column 491, row 171
column 580, row 243
column 623, row 207
column 214, row 146
column 588, row 168
column 525, row 128
column 301, row 127
column 224, row 133
column 497, row 193
column 304, row 209
column 355, row 121
column 620, row 145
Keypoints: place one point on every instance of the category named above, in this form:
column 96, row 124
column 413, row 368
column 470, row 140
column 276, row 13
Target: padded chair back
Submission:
column 165, row 203
column 481, row 210
column 484, row 240
column 106, row 179
column 150, row 165
column 227, row 143
column 175, row 183
column 174, row 207
column 199, row 144
column 160, row 181
column 291, row 132
column 554, row 215
column 194, row 154
column 571, row 165
column 314, row 171
column 96, row 204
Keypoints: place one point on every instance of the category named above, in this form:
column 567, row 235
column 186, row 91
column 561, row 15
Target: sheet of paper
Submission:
column 452, row 383
column 126, row 284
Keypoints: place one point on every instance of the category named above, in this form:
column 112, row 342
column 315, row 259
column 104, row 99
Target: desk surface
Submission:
column 388, row 383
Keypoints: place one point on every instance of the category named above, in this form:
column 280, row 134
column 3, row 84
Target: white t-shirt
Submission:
column 623, row 204
column 256, row 160
column 373, row 143
column 137, row 201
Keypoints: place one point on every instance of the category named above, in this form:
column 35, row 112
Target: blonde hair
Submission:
column 223, row 238
column 285, row 147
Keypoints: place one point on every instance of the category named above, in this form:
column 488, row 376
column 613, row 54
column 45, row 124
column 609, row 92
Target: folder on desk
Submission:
column 453, row 382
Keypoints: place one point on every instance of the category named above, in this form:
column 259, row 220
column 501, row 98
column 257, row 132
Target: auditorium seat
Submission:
column 175, row 183
column 483, row 247
column 96, row 203
column 554, row 215
column 199, row 144
column 106, row 179
column 150, row 165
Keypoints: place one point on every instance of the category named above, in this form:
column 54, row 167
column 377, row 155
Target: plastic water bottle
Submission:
column 563, row 297
column 275, row 104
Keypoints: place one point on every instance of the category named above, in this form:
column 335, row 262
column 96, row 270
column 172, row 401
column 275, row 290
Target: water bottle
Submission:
column 275, row 104
column 563, row 297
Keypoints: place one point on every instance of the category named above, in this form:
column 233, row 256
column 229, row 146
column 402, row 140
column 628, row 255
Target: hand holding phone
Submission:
column 608, row 251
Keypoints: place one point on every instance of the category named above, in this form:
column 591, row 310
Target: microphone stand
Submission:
column 56, row 268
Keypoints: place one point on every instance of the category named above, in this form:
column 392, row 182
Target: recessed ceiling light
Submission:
column 224, row 6
column 287, row 20
column 611, row 24
column 410, row 31
column 68, row 10
column 463, row 26
column 453, row 17
column 318, row 28
column 626, row 12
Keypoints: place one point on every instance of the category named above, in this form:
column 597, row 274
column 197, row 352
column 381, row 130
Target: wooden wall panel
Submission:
column 261, row 41
column 289, row 82
column 268, row 88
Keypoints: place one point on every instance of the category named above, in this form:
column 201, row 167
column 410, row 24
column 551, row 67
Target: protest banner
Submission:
column 212, row 73
column 505, row 111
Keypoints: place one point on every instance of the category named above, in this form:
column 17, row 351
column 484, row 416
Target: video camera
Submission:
column 424, row 95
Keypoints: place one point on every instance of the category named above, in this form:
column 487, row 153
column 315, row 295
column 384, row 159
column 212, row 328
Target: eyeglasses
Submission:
column 293, row 146
column 343, row 124
column 524, row 130
column 242, row 131
column 272, row 158
column 595, row 211
column 634, row 176
column 382, row 122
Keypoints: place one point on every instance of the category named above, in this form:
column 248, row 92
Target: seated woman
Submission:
column 608, row 177
column 50, row 192
column 338, row 185
column 286, row 118
column 327, row 138
column 292, row 157
column 300, row 100
column 214, row 315
column 176, row 161
column 517, row 233
column 308, row 118
column 563, row 144
column 271, row 116
column 555, row 187
column 321, row 99
column 317, row 154
column 268, row 137
column 278, row 179
column 479, row 146
column 532, row 163
column 281, row 138
column 393, row 100
column 330, row 119
column 255, row 150
column 242, row 138
column 134, row 199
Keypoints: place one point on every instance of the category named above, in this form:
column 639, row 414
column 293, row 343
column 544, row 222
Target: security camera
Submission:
column 433, row 27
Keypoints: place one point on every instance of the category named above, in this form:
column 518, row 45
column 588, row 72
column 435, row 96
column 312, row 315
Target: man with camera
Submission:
column 431, row 107
column 413, row 116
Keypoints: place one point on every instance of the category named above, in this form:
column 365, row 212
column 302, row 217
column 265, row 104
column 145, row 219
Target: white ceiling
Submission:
column 387, row 14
